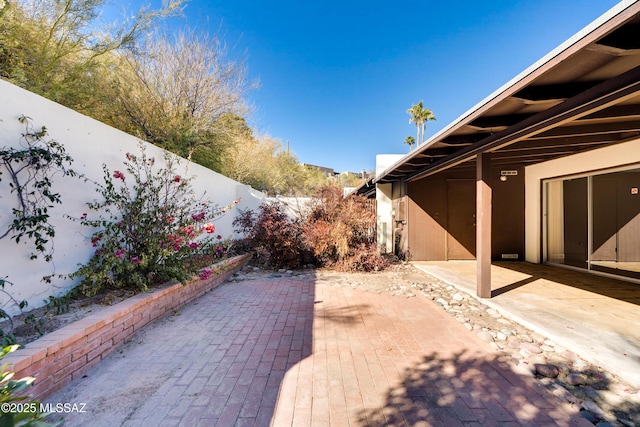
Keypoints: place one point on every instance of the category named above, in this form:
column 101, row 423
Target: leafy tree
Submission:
column 182, row 93
column 410, row 141
column 57, row 48
column 264, row 164
column 420, row 116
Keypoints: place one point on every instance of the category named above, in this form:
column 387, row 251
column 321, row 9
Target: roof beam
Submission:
column 498, row 121
column 597, row 129
column 554, row 91
column 625, row 37
column 599, row 97
column 616, row 112
column 457, row 140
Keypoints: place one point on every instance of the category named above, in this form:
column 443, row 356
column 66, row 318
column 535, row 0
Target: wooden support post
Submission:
column 483, row 225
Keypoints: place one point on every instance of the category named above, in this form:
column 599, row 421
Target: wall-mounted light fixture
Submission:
column 505, row 174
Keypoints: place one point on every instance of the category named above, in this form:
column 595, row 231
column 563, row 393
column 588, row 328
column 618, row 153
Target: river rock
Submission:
column 526, row 338
column 576, row 379
column 547, row 370
column 442, row 302
column 531, row 347
column 592, row 407
column 485, row 336
column 514, row 342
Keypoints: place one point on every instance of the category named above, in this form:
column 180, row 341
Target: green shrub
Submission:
column 18, row 410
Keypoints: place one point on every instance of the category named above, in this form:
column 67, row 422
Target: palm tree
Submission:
column 410, row 141
column 420, row 116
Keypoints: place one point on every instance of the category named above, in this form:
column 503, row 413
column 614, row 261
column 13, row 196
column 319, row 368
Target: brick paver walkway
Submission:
column 292, row 352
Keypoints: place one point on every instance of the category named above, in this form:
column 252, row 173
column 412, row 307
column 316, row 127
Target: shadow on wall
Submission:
column 449, row 390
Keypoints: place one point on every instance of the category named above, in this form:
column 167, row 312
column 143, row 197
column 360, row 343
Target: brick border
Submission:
column 60, row 357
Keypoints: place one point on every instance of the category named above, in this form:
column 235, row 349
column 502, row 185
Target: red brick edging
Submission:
column 58, row 358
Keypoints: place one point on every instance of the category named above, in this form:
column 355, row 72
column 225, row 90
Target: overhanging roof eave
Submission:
column 589, row 34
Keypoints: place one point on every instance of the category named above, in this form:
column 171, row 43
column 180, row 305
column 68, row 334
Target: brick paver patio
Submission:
column 309, row 352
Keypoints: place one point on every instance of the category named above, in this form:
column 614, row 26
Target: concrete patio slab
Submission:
column 596, row 317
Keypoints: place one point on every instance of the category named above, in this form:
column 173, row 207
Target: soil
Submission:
column 51, row 318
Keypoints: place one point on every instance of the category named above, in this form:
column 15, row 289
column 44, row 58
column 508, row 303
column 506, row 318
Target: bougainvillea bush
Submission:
column 335, row 231
column 148, row 227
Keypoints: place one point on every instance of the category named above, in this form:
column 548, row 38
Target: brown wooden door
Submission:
column 461, row 219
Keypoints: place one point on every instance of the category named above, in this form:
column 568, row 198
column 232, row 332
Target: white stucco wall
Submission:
column 384, row 209
column 627, row 153
column 384, row 203
column 91, row 144
column 384, row 161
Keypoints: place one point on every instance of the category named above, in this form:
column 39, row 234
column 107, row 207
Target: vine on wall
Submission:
column 29, row 169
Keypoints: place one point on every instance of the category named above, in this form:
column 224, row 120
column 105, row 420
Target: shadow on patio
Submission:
column 453, row 389
column 605, row 286
column 594, row 316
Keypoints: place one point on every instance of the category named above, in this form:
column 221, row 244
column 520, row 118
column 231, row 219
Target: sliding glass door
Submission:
column 593, row 222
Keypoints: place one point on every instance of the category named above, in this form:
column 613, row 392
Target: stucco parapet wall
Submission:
column 60, row 357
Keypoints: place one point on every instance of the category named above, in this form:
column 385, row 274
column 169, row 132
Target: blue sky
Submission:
column 338, row 76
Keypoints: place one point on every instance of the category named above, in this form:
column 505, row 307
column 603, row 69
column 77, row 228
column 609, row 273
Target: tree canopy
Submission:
column 181, row 90
column 420, row 116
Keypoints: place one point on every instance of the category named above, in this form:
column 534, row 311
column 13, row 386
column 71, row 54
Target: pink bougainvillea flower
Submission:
column 205, row 274
column 119, row 253
column 219, row 237
column 194, row 245
column 209, row 228
column 118, row 175
column 198, row 217
column 136, row 260
column 176, row 178
column 170, row 219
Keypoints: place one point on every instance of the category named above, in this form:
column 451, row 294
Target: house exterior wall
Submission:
column 384, row 208
column 622, row 154
column 91, row 144
column 385, row 204
column 432, row 234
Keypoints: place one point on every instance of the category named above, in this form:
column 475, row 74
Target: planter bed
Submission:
column 61, row 356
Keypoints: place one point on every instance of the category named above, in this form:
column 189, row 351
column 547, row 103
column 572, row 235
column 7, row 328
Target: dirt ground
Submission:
column 51, row 318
